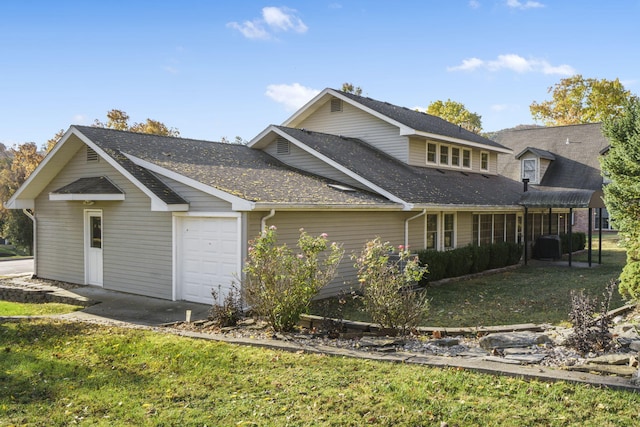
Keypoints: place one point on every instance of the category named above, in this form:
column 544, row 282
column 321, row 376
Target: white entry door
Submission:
column 208, row 257
column 93, row 246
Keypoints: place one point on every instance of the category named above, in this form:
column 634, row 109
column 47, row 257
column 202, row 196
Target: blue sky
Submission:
column 216, row 69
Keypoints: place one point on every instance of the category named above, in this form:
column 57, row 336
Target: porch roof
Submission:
column 564, row 198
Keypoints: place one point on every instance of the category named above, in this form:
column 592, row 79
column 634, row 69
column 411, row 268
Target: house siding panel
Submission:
column 137, row 254
column 300, row 159
column 354, row 229
column 353, row 122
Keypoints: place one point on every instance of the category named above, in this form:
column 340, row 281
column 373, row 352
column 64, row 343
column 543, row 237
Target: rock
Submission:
column 634, row 345
column 513, row 339
column 379, row 342
column 445, row 342
column 515, row 351
column 559, row 336
column 527, row 358
column 501, row 360
column 611, row 359
column 622, row 371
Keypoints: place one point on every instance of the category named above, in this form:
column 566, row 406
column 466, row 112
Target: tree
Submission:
column 119, row 120
column 456, row 113
column 16, row 226
column 350, row 88
column 621, row 164
column 578, row 100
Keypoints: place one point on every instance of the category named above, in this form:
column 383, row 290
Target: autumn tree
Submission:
column 577, row 100
column 21, row 161
column 456, row 113
column 350, row 88
column 119, row 120
column 621, row 165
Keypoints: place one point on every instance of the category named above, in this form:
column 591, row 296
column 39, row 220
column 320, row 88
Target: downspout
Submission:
column 263, row 221
column 35, row 237
column 406, row 227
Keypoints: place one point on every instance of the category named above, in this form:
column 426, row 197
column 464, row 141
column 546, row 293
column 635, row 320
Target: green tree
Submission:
column 119, row 120
column 576, row 100
column 16, row 226
column 621, row 164
column 350, row 88
column 456, row 113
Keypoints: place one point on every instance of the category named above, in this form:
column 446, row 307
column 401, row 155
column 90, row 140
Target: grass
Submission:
column 54, row 373
column 536, row 293
column 8, row 308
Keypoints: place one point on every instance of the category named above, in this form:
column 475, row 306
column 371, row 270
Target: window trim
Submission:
column 470, row 166
column 434, row 157
column 482, row 154
column 534, row 179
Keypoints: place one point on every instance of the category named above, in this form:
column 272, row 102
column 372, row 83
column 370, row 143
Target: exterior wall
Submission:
column 418, row 157
column 352, row 229
column 302, row 160
column 544, row 165
column 355, row 123
column 198, row 201
column 137, row 243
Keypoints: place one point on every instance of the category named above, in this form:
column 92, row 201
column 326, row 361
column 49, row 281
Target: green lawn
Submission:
column 54, row 373
column 536, row 293
column 8, row 308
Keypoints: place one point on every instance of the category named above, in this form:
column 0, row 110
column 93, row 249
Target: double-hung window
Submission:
column 529, row 167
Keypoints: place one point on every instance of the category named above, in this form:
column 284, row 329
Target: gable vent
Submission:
column 282, row 146
column 336, row 105
column 92, row 156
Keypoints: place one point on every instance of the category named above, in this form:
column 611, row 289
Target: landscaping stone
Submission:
column 634, row 345
column 612, row 359
column 622, row 371
column 379, row 343
column 445, row 342
column 530, row 359
column 513, row 339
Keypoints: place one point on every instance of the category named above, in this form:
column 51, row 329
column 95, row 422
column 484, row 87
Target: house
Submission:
column 558, row 159
column 173, row 217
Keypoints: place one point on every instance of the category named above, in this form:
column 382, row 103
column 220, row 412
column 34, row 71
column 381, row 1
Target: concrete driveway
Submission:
column 15, row 267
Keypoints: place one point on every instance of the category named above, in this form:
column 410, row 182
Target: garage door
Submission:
column 208, row 257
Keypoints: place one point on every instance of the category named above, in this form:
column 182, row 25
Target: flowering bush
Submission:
column 387, row 281
column 279, row 284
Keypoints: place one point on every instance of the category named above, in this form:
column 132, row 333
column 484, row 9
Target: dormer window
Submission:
column 530, row 170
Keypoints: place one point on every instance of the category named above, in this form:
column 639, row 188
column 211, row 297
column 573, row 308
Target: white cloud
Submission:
column 530, row 4
column 499, row 107
column 474, row 4
column 274, row 19
column 291, row 96
column 515, row 63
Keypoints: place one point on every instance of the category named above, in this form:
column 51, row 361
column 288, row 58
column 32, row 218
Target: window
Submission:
column 444, row 154
column 431, row 152
column 494, row 228
column 529, row 167
column 448, row 231
column 455, row 157
column 466, row 159
column 96, row 231
column 432, row 231
column 484, row 161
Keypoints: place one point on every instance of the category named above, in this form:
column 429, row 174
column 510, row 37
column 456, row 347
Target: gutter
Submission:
column 263, row 221
column 406, row 227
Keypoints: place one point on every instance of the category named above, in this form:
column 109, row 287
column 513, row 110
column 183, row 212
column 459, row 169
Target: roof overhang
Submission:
column 565, row 198
column 84, row 189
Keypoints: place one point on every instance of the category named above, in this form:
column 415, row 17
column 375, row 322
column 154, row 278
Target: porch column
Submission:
column 570, row 229
column 599, row 235
column 590, row 234
column 526, row 236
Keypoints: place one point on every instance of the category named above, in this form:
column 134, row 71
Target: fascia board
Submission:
column 237, row 203
column 341, row 168
column 307, row 108
column 13, row 202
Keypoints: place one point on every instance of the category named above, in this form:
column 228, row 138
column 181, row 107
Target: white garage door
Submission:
column 208, row 257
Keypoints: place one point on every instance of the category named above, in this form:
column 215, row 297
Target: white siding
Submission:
column 136, row 242
column 302, row 160
column 354, row 122
column 198, row 201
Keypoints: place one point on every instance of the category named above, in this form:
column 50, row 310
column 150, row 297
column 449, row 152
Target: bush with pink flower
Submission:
column 279, row 282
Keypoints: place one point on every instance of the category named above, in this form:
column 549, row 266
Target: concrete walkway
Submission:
column 115, row 307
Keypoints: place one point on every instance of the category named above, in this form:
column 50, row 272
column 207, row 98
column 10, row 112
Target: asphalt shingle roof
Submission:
column 93, row 185
column 413, row 184
column 421, row 121
column 236, row 169
column 576, row 163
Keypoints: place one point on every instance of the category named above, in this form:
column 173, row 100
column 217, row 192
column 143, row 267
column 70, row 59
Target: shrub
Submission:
column 279, row 284
column 228, row 311
column 590, row 333
column 387, row 286
column 578, row 242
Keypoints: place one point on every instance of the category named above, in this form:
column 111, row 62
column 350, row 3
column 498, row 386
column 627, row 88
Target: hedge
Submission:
column 468, row 259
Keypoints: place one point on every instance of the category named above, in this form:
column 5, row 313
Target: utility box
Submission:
column 548, row 246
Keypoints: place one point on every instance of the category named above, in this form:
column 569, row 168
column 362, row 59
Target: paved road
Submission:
column 18, row 266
